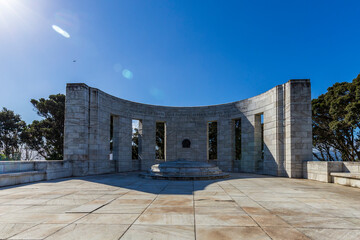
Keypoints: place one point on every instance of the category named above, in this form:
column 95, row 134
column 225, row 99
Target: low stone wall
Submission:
column 321, row 170
column 58, row 169
column 17, row 172
column 16, row 166
column 351, row 167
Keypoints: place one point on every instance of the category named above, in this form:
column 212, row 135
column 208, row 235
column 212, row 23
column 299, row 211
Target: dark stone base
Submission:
column 184, row 170
column 184, row 178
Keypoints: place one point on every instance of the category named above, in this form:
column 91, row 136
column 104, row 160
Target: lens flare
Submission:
column 127, row 74
column 60, row 31
column 157, row 93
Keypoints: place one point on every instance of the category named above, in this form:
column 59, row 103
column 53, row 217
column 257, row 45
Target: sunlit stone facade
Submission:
column 287, row 131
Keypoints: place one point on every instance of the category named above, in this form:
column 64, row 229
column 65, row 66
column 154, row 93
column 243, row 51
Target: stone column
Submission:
column 225, row 143
column 171, row 143
column 248, row 144
column 259, row 162
column 298, row 126
column 280, row 129
column 147, row 155
column 124, row 157
column 76, row 132
column 271, row 141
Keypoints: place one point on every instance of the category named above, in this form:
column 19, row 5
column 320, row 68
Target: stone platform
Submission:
column 185, row 170
column 124, row 206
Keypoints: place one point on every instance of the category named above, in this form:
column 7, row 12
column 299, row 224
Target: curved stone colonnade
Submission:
column 287, row 131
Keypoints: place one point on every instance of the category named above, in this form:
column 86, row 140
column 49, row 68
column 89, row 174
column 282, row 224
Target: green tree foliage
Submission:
column 11, row 128
column 238, row 139
column 111, row 134
column 336, row 122
column 47, row 136
column 135, row 144
column 160, row 140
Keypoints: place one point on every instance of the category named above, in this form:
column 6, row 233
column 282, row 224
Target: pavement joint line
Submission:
column 291, row 226
column 193, row 194
column 264, row 207
column 157, row 195
column 243, row 209
column 86, row 214
column 23, row 230
column 296, row 200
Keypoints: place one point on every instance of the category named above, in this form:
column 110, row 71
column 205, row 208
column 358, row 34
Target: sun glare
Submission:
column 18, row 17
column 10, row 10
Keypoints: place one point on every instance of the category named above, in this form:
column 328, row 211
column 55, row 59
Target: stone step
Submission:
column 184, row 178
column 185, row 170
column 346, row 179
column 13, row 178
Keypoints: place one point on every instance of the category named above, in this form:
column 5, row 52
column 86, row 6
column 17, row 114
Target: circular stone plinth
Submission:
column 184, row 170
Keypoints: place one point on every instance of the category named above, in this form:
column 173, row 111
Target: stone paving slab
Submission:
column 160, row 232
column 124, row 206
column 229, row 233
column 40, row 231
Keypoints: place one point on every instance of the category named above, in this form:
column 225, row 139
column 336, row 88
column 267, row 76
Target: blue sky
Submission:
column 177, row 53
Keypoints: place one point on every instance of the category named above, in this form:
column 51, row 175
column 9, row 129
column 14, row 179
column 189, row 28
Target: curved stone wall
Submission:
column 286, row 113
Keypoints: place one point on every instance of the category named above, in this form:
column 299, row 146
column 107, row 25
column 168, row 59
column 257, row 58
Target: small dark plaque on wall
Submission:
column 186, row 143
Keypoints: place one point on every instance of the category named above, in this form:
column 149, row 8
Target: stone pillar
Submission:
column 248, row 144
column 94, row 125
column 298, row 126
column 171, row 142
column 280, row 129
column 124, row 157
column 259, row 162
column 225, row 143
column 76, row 132
column 147, row 155
column 116, row 139
column 99, row 134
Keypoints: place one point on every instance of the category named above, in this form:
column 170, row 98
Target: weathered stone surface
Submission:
column 18, row 172
column 185, row 170
column 244, row 206
column 286, row 111
column 343, row 173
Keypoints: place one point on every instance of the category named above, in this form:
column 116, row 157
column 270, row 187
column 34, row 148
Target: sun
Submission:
column 13, row 13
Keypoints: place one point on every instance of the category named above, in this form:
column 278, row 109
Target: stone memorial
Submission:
column 268, row 134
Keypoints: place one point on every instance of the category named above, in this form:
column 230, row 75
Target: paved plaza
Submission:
column 124, row 206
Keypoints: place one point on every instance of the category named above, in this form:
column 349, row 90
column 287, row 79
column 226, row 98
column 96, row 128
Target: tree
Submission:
column 135, row 144
column 212, row 131
column 11, row 128
column 237, row 139
column 160, row 141
column 336, row 122
column 47, row 136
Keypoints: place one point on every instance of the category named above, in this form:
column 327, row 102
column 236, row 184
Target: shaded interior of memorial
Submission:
column 266, row 134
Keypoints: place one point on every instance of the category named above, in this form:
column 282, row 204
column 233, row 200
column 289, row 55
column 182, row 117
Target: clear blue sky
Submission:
column 180, row 53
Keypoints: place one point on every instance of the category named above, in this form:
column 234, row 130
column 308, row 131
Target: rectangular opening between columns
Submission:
column 259, row 141
column 212, row 140
column 237, row 144
column 160, row 141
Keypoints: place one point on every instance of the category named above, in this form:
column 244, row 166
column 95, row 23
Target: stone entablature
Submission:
column 287, row 130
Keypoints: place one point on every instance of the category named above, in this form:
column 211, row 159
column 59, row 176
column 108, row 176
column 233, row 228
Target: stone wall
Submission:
column 18, row 172
column 351, row 167
column 286, row 112
column 321, row 170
